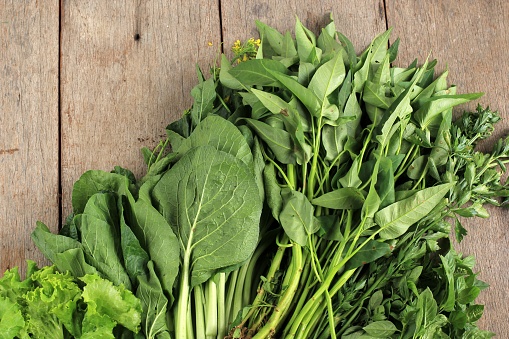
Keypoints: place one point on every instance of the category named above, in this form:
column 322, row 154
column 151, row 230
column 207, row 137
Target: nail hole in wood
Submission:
column 137, row 37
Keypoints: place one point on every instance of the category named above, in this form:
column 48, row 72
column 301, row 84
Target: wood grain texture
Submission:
column 127, row 71
column 127, row 68
column 470, row 38
column 360, row 23
column 28, row 126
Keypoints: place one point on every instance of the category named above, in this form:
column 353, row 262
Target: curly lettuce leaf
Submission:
column 115, row 302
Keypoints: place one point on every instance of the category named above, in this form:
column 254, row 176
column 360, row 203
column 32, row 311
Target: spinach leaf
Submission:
column 157, row 238
column 219, row 133
column 211, row 201
column 154, row 304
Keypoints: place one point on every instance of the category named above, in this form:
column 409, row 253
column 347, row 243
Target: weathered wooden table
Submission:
column 85, row 84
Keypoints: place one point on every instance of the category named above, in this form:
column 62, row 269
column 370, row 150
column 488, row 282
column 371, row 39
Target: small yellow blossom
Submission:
column 245, row 51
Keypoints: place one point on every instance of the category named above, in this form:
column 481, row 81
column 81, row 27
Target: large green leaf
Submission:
column 211, row 200
column 134, row 256
column 154, row 304
column 94, row 181
column 258, row 72
column 101, row 240
column 437, row 104
column 159, row 240
column 272, row 102
column 66, row 253
column 395, row 219
column 222, row 135
column 306, row 43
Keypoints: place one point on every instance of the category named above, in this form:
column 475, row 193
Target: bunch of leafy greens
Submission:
column 173, row 236
column 50, row 304
column 308, row 193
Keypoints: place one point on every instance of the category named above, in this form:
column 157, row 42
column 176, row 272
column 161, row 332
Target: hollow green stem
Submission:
column 199, row 303
column 282, row 308
column 211, row 309
column 222, row 322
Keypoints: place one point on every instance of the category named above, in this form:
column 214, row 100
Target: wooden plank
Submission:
column 28, row 126
column 127, row 71
column 360, row 23
column 472, row 41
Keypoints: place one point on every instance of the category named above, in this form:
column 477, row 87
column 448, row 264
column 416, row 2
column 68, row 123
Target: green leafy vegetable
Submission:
column 307, row 193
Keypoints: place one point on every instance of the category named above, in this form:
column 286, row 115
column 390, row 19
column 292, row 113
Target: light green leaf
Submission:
column 272, row 36
column 374, row 94
column 396, row 218
column 297, row 216
column 341, row 199
column 305, row 95
column 306, row 42
column 468, row 295
column 449, row 266
column 326, row 41
column 258, row 72
column 154, row 304
column 417, row 167
column 381, row 329
column 258, row 110
column 222, row 135
column 226, row 78
column 272, row 102
column 328, row 77
column 351, row 179
column 426, row 309
column 11, row 319
column 204, row 95
column 333, row 140
column 115, row 302
column 306, row 71
column 289, row 50
column 437, row 104
column 278, row 140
